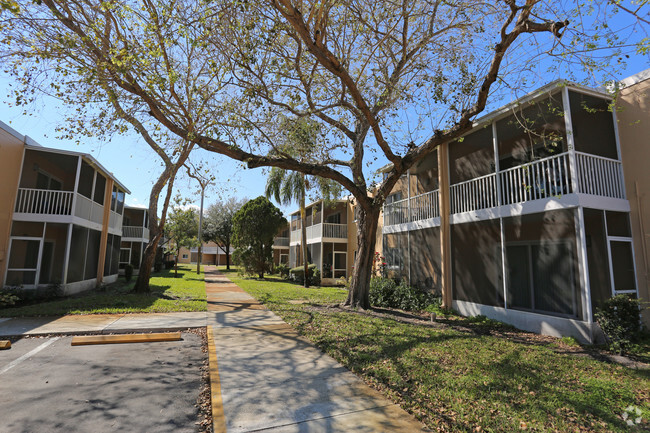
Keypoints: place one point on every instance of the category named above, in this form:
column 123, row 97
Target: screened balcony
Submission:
column 537, row 154
column 54, row 186
column 328, row 224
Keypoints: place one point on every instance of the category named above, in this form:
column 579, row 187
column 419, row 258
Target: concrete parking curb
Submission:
column 125, row 338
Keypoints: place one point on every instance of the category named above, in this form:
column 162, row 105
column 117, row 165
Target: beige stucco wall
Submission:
column 11, row 150
column 634, row 132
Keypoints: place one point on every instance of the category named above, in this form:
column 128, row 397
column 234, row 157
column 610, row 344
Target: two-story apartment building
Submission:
column 135, row 236
column 281, row 247
column 60, row 216
column 526, row 218
column 331, row 239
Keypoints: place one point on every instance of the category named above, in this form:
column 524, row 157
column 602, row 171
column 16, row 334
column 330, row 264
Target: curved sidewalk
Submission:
column 273, row 380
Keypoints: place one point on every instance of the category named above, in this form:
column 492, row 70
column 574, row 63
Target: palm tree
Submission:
column 286, row 186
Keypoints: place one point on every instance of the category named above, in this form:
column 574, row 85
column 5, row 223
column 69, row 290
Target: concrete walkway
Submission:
column 273, row 380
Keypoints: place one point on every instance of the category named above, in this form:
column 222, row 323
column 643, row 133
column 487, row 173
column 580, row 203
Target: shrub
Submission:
column 157, row 265
column 297, row 274
column 169, row 264
column 387, row 293
column 283, row 270
column 8, row 296
column 619, row 320
column 128, row 272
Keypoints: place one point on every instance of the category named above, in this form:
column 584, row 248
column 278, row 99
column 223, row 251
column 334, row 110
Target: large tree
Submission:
column 254, row 227
column 218, row 223
column 393, row 80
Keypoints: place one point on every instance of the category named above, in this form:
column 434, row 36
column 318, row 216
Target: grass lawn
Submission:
column 185, row 293
column 460, row 374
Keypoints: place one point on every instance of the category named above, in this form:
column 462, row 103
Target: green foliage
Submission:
column 8, row 297
column 254, row 227
column 387, row 293
column 128, row 272
column 218, row 222
column 619, row 320
column 283, row 270
column 297, row 275
column 181, row 227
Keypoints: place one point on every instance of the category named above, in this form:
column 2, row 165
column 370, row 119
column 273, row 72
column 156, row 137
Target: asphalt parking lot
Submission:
column 47, row 385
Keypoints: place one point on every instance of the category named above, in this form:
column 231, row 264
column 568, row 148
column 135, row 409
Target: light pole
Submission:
column 204, row 180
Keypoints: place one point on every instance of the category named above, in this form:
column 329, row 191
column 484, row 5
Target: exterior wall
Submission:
column 11, row 150
column 634, row 129
column 181, row 256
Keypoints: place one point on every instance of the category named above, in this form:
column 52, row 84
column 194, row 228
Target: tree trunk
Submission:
column 367, row 223
column 156, row 227
column 303, row 241
column 227, row 248
column 176, row 266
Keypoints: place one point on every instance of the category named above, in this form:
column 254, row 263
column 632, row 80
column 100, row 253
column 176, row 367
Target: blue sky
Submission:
column 137, row 167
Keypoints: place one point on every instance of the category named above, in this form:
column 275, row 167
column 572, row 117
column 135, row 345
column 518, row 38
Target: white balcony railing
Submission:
column 600, row 176
column 280, row 242
column 544, row 178
column 424, row 206
column 44, row 202
column 541, row 179
column 89, row 210
column 114, row 220
column 318, row 231
column 135, row 232
column 396, row 212
column 336, row 231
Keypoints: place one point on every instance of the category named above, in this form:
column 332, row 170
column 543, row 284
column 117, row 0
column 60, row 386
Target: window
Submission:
column 184, row 256
column 334, row 219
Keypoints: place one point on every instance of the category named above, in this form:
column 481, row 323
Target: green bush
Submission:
column 619, row 320
column 283, row 270
column 297, row 275
column 128, row 272
column 387, row 293
column 169, row 264
column 8, row 297
column 157, row 265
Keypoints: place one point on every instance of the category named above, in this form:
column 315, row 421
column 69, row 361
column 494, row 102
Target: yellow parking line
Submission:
column 125, row 338
column 218, row 417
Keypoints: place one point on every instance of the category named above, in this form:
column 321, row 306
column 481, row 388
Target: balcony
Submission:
column 320, row 232
column 135, row 232
column 43, row 204
column 280, row 242
column 547, row 178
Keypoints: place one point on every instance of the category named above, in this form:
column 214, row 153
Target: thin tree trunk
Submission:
column 227, row 248
column 176, row 267
column 303, row 241
column 366, row 237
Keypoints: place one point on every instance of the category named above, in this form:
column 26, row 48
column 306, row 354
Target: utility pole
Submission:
column 204, row 180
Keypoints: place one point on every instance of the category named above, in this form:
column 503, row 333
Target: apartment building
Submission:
column 135, row 236
column 60, row 217
column 281, row 247
column 633, row 113
column 331, row 239
column 527, row 217
column 211, row 254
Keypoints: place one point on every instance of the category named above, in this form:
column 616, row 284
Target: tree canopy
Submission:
column 219, row 223
column 254, row 227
